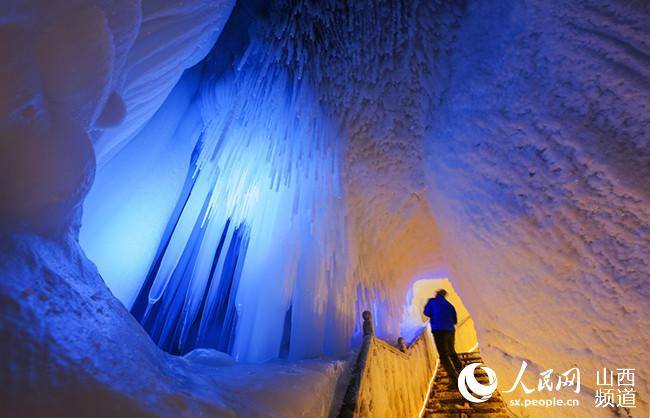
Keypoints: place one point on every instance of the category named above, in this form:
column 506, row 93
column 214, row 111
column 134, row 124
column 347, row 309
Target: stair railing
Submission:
column 389, row 381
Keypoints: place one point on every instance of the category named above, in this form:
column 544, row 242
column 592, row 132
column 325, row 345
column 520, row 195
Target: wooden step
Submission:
column 481, row 379
column 472, row 411
column 443, row 373
column 497, row 402
column 471, row 359
column 448, row 394
column 449, row 403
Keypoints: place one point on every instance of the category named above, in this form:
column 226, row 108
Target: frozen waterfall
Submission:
column 253, row 258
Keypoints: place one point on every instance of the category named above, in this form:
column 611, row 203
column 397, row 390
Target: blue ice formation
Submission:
column 216, row 234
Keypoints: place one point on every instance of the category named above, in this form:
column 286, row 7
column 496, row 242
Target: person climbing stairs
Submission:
column 449, row 403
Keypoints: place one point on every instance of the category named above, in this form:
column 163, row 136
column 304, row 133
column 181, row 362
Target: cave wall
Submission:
column 68, row 347
column 515, row 136
column 172, row 37
column 73, row 70
column 538, row 166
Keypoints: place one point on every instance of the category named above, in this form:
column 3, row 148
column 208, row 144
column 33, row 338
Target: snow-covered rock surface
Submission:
column 278, row 389
column 209, row 357
column 70, row 349
column 67, row 339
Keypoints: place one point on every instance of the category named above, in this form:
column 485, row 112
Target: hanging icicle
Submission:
column 259, row 232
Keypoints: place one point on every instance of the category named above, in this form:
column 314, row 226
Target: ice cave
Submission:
column 251, row 208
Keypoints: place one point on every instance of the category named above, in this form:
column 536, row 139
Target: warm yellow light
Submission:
column 422, row 291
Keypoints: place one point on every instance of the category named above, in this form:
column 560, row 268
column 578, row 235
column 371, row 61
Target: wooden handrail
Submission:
column 350, row 399
column 351, row 394
column 463, row 322
column 358, row 380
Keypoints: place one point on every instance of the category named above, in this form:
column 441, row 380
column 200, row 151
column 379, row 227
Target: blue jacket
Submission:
column 441, row 313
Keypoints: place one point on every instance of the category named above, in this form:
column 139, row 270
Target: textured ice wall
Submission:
column 172, row 37
column 372, row 64
column 264, row 177
column 391, row 237
column 524, row 127
column 538, row 160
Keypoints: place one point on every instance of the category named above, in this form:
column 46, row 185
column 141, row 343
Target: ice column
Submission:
column 254, row 260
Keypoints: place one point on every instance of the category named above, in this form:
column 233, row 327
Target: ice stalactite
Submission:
column 255, row 252
column 141, row 211
column 379, row 68
column 271, row 134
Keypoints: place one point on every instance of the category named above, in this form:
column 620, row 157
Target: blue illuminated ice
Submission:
column 249, row 248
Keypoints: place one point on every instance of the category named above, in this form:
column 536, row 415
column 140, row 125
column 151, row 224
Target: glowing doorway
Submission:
column 421, row 291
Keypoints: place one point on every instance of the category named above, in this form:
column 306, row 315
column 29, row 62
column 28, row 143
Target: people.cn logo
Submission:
column 469, row 386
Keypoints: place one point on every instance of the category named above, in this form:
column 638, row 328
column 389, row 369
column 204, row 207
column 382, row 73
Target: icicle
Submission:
column 263, row 224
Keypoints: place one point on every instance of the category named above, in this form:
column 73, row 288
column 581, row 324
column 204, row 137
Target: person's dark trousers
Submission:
column 454, row 356
column 447, row 352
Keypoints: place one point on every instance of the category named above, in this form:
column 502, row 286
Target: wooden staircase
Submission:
column 447, row 403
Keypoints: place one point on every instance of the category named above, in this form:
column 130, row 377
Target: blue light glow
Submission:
column 252, row 229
